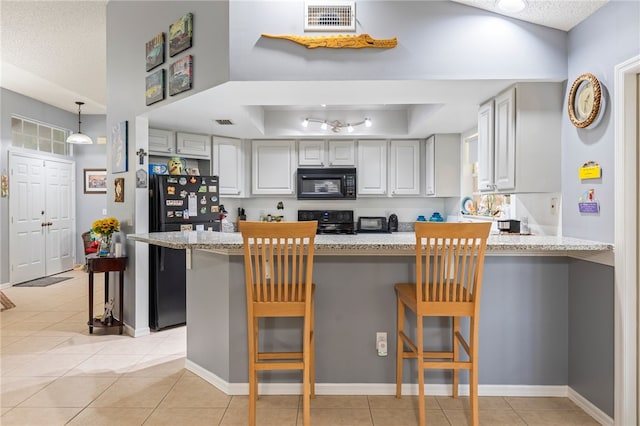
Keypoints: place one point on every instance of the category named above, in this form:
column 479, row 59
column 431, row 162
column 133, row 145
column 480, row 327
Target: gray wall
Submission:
column 89, row 156
column 597, row 45
column 591, row 333
column 436, row 40
column 130, row 25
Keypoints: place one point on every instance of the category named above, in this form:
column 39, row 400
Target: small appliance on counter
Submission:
column 372, row 224
column 393, row 223
column 510, row 226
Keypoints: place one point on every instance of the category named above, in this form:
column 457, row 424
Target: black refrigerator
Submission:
column 177, row 203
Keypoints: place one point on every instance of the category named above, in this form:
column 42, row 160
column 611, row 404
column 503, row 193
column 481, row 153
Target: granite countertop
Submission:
column 398, row 243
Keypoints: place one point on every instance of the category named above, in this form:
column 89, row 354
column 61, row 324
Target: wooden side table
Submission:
column 106, row 264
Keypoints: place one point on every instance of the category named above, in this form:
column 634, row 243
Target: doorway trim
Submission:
column 626, row 241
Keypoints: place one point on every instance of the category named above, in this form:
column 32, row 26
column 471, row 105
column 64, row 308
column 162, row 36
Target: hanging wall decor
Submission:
column 181, row 75
column 155, row 52
column 95, row 181
column 119, row 147
column 181, row 34
column 119, row 190
column 155, row 87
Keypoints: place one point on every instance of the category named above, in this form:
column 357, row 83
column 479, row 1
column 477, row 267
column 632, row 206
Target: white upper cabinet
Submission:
column 372, row 167
column 321, row 153
column 168, row 143
column 519, row 139
column 311, row 152
column 342, row 153
column 404, row 167
column 193, row 146
column 442, row 165
column 162, row 142
column 273, row 167
column 228, row 164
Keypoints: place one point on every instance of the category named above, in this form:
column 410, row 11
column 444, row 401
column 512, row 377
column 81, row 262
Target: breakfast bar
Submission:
column 524, row 326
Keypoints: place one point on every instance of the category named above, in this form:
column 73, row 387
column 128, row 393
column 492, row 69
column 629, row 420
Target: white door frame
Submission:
column 626, row 242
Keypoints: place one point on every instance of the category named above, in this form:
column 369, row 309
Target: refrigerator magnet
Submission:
column 171, row 190
column 182, row 181
column 203, row 210
column 202, row 188
column 179, row 213
column 185, row 214
column 183, row 194
column 174, row 202
column 203, row 200
column 192, row 180
column 214, row 209
column 172, row 180
column 170, row 213
column 213, row 188
column 214, row 198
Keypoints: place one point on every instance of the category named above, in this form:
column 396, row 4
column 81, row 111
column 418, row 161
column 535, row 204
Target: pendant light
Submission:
column 79, row 138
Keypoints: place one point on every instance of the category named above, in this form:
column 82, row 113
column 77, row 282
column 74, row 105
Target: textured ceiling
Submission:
column 562, row 15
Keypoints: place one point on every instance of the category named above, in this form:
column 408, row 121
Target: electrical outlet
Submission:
column 104, row 212
column 381, row 343
column 554, row 205
column 267, row 269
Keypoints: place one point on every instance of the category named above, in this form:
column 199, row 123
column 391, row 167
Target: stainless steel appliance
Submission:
column 330, row 221
column 326, row 184
column 511, row 226
column 376, row 224
column 176, row 203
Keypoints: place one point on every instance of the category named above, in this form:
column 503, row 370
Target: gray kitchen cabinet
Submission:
column 273, row 167
column 442, row 165
column 404, row 167
column 311, row 152
column 193, row 145
column 229, row 165
column 162, row 142
column 372, row 167
column 321, row 153
column 168, row 144
column 519, row 139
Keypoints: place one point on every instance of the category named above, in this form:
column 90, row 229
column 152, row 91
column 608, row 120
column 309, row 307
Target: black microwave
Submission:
column 326, row 184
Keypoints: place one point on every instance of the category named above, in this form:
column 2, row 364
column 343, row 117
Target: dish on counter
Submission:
column 467, row 206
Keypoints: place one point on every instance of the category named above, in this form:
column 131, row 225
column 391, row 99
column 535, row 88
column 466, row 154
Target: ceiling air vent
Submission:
column 225, row 122
column 330, row 16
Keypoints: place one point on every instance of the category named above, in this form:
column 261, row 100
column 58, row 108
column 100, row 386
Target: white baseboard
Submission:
column 586, row 405
column 5, row 286
column 136, row 332
column 373, row 388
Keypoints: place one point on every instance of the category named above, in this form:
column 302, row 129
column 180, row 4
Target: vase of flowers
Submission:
column 104, row 229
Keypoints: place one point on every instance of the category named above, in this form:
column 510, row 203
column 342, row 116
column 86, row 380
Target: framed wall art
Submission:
column 155, row 87
column 155, row 52
column 181, row 34
column 118, row 190
column 119, row 147
column 181, row 75
column 95, row 181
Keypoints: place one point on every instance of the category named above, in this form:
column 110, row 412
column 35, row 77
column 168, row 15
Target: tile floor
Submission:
column 54, row 373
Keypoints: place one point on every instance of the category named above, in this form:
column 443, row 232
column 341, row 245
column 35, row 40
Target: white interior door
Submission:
column 58, row 217
column 41, row 217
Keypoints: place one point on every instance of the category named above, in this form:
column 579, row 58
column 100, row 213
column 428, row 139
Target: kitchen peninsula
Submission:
column 524, row 311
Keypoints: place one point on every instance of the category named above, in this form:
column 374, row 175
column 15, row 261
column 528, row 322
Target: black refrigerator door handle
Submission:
column 162, row 251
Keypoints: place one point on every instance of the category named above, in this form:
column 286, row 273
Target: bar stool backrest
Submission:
column 449, row 264
column 278, row 264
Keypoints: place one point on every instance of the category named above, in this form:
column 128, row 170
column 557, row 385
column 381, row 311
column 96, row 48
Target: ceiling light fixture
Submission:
column 79, row 138
column 511, row 6
column 336, row 125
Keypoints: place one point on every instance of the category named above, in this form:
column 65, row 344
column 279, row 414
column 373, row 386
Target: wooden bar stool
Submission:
column 278, row 264
column 449, row 264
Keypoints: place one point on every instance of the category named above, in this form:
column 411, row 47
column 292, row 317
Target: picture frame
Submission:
column 95, row 181
column 155, row 51
column 119, row 147
column 181, row 34
column 154, row 84
column 118, row 190
column 181, row 75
